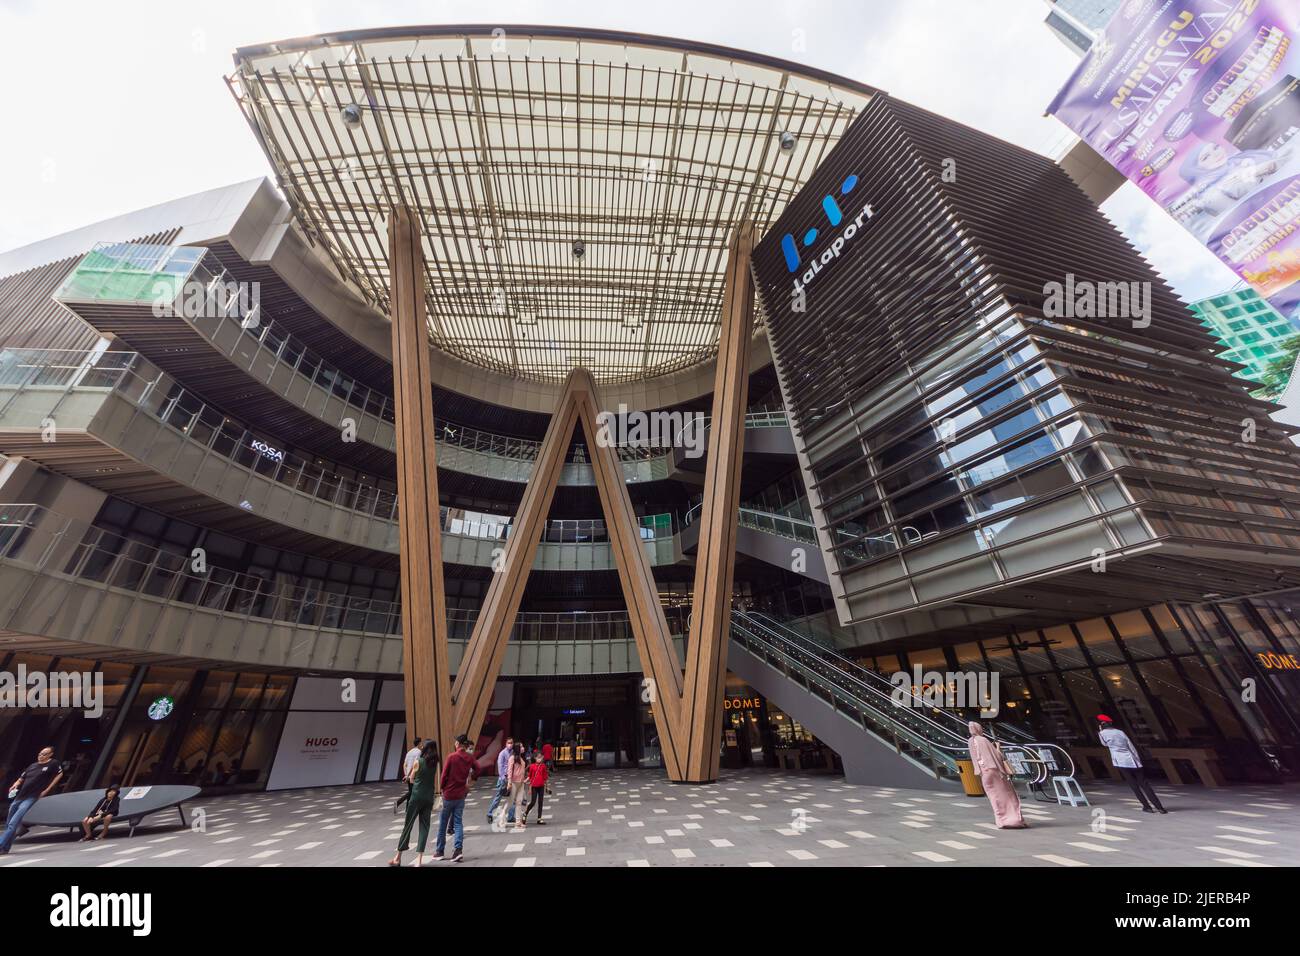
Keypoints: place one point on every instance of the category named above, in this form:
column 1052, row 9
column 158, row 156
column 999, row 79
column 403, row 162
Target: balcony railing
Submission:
column 161, row 276
column 141, row 383
column 766, row 521
column 35, row 537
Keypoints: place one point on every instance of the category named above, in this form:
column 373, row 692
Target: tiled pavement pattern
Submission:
column 749, row 818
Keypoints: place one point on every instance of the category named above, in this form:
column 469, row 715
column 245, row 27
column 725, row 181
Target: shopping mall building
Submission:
column 655, row 399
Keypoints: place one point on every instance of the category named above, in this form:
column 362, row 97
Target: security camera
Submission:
column 788, row 141
column 579, row 248
column 351, row 115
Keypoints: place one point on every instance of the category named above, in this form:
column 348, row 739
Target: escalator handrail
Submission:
column 956, row 748
column 793, row 637
column 883, row 712
column 776, row 627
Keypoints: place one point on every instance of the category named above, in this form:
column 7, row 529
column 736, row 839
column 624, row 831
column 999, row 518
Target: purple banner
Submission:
column 1198, row 103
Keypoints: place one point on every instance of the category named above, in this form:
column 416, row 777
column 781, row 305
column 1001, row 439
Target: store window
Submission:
column 76, row 738
column 1133, row 710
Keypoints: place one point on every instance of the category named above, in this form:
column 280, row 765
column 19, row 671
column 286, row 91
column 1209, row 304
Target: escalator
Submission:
column 884, row 735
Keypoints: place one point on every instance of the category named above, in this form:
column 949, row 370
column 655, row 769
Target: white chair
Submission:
column 1067, row 790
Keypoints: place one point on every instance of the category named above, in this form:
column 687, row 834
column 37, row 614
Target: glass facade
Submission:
column 1176, row 678
column 1250, row 330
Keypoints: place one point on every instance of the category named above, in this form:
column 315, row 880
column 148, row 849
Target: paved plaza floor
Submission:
column 748, row 818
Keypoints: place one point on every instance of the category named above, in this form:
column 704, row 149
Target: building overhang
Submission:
column 514, row 143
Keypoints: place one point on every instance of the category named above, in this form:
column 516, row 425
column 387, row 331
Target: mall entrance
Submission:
column 592, row 724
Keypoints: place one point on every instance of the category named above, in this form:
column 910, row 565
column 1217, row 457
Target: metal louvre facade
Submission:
column 981, row 449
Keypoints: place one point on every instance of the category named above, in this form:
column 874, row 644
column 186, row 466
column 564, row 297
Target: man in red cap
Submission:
column 1126, row 760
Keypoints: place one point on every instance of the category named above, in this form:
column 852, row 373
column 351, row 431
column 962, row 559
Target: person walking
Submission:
column 503, row 785
column 33, row 783
column 1124, row 757
column 408, row 761
column 104, row 812
column 547, row 753
column 460, row 770
column 517, row 777
column 995, row 775
column 422, row 778
column 537, row 777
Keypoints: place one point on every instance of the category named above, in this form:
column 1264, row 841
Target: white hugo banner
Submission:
column 317, row 749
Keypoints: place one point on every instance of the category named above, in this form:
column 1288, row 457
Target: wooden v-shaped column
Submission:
column 424, row 621
column 715, row 559
column 472, row 691
column 687, row 710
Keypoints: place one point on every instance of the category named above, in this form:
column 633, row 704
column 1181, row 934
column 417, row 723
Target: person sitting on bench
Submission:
column 104, row 811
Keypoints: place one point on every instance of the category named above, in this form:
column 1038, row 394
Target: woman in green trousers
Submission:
column 423, row 779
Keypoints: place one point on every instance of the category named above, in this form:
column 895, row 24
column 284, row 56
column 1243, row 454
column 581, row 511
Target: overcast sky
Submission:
column 116, row 106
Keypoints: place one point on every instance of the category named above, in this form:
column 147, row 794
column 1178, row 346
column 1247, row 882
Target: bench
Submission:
column 1084, row 766
column 136, row 803
column 1203, row 760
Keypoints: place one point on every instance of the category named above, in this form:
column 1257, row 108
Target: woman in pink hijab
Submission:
column 995, row 775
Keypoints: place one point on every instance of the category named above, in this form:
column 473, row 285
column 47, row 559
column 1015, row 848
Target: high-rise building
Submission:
column 1252, row 332
column 473, row 410
column 1077, row 22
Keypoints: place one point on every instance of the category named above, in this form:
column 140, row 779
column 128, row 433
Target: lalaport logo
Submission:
column 835, row 216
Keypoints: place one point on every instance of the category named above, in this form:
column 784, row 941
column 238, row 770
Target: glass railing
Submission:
column 823, row 649
column 148, row 388
column 472, row 524
column 933, row 736
column 527, row 449
column 193, row 278
column 162, row 276
column 102, row 557
column 154, row 392
column 782, row 525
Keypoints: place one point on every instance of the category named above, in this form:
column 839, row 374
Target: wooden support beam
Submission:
column 472, row 692
column 486, row 650
column 424, row 621
column 715, row 561
column 687, row 709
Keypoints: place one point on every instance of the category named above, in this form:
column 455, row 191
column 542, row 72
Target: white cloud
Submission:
column 129, row 109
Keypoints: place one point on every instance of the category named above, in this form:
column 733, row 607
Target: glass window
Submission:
column 1087, row 696
column 1136, row 635
column 1135, row 714
column 216, row 690
column 1099, row 641
column 1173, row 633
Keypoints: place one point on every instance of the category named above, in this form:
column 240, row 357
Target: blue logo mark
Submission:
column 834, row 215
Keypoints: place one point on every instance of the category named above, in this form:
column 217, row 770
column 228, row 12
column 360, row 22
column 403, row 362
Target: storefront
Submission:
column 1213, row 678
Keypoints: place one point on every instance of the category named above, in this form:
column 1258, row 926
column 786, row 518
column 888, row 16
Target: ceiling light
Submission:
column 788, row 141
column 351, row 116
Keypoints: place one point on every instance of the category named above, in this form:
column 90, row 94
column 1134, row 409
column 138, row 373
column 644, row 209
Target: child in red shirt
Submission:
column 537, row 777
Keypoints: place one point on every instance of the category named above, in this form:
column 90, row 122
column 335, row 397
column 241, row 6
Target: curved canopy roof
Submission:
column 512, row 144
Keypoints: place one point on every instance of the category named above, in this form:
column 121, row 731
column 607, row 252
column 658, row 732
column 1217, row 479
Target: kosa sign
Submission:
column 835, row 216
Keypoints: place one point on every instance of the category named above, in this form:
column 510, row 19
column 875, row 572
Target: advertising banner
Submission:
column 318, row 748
column 1198, row 103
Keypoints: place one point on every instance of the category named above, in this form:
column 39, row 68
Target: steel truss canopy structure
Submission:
column 518, row 145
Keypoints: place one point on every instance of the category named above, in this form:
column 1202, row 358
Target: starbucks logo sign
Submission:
column 161, row 707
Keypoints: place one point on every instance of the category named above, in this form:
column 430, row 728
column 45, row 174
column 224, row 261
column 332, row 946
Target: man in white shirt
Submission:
column 408, row 762
column 1126, row 760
